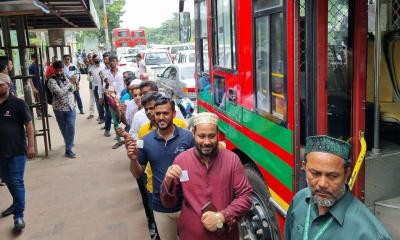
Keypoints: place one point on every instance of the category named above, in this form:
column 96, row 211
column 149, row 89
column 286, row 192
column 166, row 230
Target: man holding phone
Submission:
column 216, row 191
column 71, row 73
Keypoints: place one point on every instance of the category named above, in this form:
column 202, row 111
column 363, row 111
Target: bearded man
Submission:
column 216, row 192
column 326, row 209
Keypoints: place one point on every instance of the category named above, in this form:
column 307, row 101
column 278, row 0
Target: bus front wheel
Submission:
column 260, row 222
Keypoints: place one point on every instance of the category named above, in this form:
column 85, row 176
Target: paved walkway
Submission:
column 91, row 197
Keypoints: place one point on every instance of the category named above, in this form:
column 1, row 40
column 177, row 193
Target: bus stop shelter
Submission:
column 19, row 17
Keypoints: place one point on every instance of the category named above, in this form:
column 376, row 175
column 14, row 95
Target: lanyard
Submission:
column 307, row 225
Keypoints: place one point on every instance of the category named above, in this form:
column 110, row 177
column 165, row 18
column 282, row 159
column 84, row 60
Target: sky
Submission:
column 151, row 13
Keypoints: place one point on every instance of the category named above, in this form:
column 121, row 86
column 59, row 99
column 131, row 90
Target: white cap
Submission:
column 135, row 83
column 205, row 117
column 4, row 78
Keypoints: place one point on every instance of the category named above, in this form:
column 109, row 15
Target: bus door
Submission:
column 332, row 76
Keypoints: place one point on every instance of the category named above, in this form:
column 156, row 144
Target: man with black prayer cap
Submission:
column 327, row 209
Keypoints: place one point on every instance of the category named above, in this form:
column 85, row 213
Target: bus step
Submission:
column 388, row 212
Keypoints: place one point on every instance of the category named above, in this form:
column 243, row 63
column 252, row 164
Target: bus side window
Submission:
column 202, row 63
column 270, row 73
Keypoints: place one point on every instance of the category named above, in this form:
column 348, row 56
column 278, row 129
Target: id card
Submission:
column 184, row 176
column 139, row 143
column 121, row 125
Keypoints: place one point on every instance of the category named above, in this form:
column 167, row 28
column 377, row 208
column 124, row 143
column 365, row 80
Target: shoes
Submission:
column 90, row 117
column 70, row 154
column 101, row 121
column 102, row 128
column 39, row 118
column 48, row 115
column 117, row 145
column 98, row 119
column 81, row 112
column 153, row 231
column 2, row 183
column 8, row 211
column 107, row 133
column 19, row 224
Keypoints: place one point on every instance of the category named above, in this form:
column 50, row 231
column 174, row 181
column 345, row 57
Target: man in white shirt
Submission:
column 71, row 72
column 113, row 79
column 107, row 114
column 141, row 64
column 97, row 83
column 91, row 85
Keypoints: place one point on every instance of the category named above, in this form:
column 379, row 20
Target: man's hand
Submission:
column 35, row 91
column 132, row 150
column 122, row 108
column 30, row 151
column 209, row 220
column 73, row 79
column 101, row 101
column 121, row 132
column 174, row 171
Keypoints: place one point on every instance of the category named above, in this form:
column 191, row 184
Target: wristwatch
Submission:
column 220, row 224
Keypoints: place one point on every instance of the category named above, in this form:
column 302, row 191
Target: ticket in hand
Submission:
column 139, row 143
column 184, row 176
column 121, row 125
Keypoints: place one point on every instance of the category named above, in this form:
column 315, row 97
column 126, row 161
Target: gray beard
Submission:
column 328, row 202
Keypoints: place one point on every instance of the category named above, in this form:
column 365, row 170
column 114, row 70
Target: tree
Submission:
column 168, row 33
column 114, row 13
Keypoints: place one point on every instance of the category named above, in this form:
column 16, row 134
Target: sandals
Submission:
column 117, row 145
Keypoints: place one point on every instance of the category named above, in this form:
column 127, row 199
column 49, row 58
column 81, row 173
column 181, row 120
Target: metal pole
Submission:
column 377, row 62
column 106, row 25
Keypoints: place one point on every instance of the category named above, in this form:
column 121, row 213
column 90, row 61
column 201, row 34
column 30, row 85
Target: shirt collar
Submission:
column 176, row 133
column 338, row 211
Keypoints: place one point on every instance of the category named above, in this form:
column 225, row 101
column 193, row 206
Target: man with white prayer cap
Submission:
column 216, row 192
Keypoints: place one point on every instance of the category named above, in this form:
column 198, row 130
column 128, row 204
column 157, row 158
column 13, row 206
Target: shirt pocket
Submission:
column 297, row 231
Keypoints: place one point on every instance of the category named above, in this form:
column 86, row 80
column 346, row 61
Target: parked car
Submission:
column 178, row 81
column 186, row 56
column 176, row 48
column 128, row 63
column 156, row 60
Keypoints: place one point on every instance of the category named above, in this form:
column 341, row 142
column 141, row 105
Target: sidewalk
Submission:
column 91, row 197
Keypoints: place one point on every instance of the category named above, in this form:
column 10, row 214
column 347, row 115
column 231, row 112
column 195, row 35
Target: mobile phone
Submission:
column 208, row 207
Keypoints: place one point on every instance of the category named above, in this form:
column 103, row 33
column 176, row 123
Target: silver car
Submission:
column 178, row 81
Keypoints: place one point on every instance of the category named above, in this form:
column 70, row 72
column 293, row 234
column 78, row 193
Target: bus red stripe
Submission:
column 267, row 144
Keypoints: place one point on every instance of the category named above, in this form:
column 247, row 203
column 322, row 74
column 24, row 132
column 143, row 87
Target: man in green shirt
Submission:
column 326, row 209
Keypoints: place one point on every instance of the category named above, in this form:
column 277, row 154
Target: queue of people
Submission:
column 191, row 188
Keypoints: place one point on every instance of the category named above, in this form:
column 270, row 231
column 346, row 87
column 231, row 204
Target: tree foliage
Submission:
column 114, row 13
column 168, row 33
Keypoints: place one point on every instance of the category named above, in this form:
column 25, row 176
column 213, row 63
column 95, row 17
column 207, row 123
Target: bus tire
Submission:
column 260, row 222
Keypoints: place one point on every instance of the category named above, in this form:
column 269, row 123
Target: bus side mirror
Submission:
column 184, row 27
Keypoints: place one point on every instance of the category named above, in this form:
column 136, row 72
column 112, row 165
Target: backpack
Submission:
column 49, row 93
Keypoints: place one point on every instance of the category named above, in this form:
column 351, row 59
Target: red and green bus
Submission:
column 278, row 71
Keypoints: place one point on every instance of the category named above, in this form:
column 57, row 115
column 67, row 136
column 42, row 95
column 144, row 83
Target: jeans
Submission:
column 100, row 108
column 92, row 102
column 146, row 199
column 12, row 172
column 115, row 122
column 78, row 100
column 107, row 121
column 66, row 123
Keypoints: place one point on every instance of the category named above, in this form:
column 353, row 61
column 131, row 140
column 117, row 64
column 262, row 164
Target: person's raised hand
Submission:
column 173, row 171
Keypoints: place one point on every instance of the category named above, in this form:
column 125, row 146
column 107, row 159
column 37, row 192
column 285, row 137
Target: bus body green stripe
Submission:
column 273, row 164
column 268, row 129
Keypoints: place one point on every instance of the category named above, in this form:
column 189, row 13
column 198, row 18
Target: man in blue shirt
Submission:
column 160, row 147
